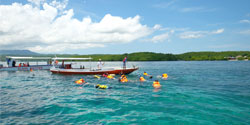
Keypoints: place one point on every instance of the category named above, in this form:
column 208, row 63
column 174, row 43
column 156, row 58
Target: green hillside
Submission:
column 151, row 56
column 198, row 56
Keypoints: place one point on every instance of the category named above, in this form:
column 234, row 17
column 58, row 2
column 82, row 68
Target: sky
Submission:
column 124, row 26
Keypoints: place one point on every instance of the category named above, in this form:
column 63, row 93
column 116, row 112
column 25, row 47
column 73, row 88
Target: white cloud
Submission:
column 164, row 5
column 157, row 27
column 198, row 34
column 36, row 2
column 197, row 9
column 191, row 35
column 59, row 5
column 218, row 31
column 48, row 30
column 162, row 37
column 59, row 47
column 244, row 21
column 191, row 9
column 245, row 32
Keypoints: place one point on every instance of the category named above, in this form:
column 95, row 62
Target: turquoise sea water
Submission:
column 206, row 92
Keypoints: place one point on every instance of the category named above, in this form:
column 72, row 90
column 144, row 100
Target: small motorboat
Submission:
column 26, row 63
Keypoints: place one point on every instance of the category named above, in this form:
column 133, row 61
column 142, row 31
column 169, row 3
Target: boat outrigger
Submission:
column 26, row 63
column 68, row 69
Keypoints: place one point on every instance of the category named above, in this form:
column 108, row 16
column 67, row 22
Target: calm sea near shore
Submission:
column 204, row 92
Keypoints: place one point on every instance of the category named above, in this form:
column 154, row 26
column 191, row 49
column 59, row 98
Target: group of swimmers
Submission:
column 156, row 84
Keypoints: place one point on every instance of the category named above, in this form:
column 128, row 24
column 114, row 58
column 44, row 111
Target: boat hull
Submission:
column 96, row 72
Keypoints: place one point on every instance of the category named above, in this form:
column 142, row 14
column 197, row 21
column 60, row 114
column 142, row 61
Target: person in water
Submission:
column 156, row 84
column 100, row 64
column 110, row 76
column 165, row 76
column 98, row 86
column 123, row 79
column 105, row 74
column 142, row 79
column 80, row 81
column 146, row 74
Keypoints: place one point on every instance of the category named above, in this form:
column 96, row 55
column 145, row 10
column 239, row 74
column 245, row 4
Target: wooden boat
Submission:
column 23, row 63
column 72, row 71
column 67, row 69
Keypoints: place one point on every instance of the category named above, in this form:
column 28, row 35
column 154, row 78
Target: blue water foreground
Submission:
column 196, row 92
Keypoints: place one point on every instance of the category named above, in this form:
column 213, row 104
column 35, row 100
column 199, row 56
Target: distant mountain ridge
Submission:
column 17, row 52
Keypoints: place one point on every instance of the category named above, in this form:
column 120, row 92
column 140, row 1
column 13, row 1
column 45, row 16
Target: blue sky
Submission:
column 115, row 26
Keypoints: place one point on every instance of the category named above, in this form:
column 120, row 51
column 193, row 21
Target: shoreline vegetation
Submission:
column 151, row 56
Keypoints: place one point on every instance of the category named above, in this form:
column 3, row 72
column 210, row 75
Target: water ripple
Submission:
column 195, row 93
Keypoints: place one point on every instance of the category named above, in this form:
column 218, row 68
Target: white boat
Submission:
column 24, row 63
column 68, row 69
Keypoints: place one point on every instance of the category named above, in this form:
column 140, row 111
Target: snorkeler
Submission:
column 80, row 81
column 156, row 84
column 98, row 86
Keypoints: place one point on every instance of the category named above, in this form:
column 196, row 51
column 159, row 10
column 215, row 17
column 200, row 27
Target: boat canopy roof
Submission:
column 28, row 58
column 58, row 58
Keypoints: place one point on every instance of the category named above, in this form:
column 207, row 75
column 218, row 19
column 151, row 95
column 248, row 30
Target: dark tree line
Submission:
column 151, row 56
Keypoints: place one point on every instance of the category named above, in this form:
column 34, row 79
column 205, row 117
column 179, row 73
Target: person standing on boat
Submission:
column 8, row 62
column 13, row 63
column 100, row 64
column 124, row 62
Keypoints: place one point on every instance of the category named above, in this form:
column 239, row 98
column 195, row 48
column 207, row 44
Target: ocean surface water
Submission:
column 196, row 92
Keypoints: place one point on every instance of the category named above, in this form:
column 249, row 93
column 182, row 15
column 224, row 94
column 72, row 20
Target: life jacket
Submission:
column 156, row 84
column 80, row 81
column 101, row 86
column 96, row 76
column 110, row 77
column 142, row 79
column 145, row 74
column 165, row 75
column 124, row 79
